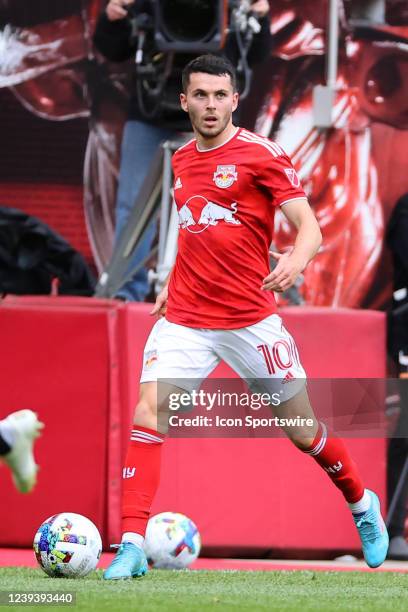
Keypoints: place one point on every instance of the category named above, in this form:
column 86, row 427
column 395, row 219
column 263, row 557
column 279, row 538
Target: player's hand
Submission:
column 116, row 9
column 260, row 8
column 160, row 306
column 285, row 274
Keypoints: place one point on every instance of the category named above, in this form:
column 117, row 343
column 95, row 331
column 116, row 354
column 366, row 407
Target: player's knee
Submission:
column 302, row 437
column 303, row 440
column 145, row 414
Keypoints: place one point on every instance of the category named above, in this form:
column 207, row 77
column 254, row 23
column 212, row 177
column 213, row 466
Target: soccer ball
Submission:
column 172, row 541
column 67, row 544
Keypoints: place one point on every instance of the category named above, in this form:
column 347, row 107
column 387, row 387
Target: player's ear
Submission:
column 235, row 100
column 183, row 102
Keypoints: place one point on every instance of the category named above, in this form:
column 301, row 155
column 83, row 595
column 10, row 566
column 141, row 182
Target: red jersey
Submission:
column 226, row 199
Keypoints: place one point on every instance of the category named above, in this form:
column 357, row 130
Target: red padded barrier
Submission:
column 265, row 493
column 56, row 359
column 77, row 362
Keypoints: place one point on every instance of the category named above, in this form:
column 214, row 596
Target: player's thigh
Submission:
column 177, row 358
column 265, row 355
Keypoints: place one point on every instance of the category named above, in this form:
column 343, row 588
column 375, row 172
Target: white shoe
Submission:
column 26, row 428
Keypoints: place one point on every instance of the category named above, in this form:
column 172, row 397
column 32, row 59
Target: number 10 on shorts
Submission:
column 282, row 355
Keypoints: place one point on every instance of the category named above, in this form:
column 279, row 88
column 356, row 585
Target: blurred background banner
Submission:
column 63, row 109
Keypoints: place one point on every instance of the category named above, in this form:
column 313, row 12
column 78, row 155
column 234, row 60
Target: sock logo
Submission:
column 128, row 472
column 333, row 469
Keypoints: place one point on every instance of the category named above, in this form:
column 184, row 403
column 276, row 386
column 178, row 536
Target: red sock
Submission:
column 141, row 476
column 332, row 455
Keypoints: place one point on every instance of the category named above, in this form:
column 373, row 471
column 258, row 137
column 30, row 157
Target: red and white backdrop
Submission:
column 62, row 113
column 63, row 107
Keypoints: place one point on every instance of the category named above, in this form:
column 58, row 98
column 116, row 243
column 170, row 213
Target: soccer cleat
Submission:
column 26, row 428
column 373, row 533
column 129, row 562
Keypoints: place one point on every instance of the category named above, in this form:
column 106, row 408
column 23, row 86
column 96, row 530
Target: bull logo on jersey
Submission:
column 225, row 176
column 185, row 217
column 208, row 213
column 293, row 177
column 212, row 213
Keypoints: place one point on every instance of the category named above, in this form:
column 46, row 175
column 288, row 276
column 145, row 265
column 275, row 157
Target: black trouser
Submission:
column 397, row 455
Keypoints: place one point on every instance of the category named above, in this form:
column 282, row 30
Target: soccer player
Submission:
column 17, row 434
column 219, row 302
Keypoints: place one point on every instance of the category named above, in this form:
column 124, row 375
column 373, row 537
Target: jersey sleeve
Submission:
column 277, row 175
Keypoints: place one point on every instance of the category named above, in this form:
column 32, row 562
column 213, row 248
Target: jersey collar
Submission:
column 220, row 145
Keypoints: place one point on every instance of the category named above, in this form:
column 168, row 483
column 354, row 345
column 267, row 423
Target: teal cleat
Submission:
column 373, row 533
column 129, row 562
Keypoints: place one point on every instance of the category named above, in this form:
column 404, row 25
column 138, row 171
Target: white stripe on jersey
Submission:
column 244, row 139
column 184, row 145
column 299, row 197
column 263, row 139
column 272, row 147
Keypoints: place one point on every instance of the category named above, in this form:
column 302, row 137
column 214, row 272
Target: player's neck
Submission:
column 204, row 143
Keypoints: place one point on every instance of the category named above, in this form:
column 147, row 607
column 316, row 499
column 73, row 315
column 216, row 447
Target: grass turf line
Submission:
column 223, row 590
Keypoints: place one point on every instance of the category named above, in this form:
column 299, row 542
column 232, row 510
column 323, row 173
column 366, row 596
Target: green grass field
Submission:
column 223, row 590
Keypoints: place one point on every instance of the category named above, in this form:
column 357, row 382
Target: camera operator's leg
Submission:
column 397, row 458
column 139, row 145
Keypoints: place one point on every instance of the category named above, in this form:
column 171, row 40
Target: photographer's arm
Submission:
column 262, row 42
column 112, row 35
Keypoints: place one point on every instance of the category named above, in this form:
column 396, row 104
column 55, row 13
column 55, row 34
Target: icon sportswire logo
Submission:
column 209, row 213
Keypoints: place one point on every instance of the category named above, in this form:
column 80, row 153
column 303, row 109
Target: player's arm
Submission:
column 308, row 241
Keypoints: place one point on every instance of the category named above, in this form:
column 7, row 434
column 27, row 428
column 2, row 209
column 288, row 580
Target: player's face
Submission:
column 210, row 101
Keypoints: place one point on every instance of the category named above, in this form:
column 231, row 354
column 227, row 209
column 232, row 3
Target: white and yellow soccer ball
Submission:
column 67, row 544
column 172, row 541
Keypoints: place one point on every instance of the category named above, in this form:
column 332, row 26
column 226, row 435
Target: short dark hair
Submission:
column 209, row 64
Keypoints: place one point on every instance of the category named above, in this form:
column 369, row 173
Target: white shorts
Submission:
column 264, row 354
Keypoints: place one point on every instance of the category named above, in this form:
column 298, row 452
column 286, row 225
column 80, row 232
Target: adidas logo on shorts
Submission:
column 288, row 378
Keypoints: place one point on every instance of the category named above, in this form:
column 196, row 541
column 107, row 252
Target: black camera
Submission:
column 190, row 25
column 163, row 28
